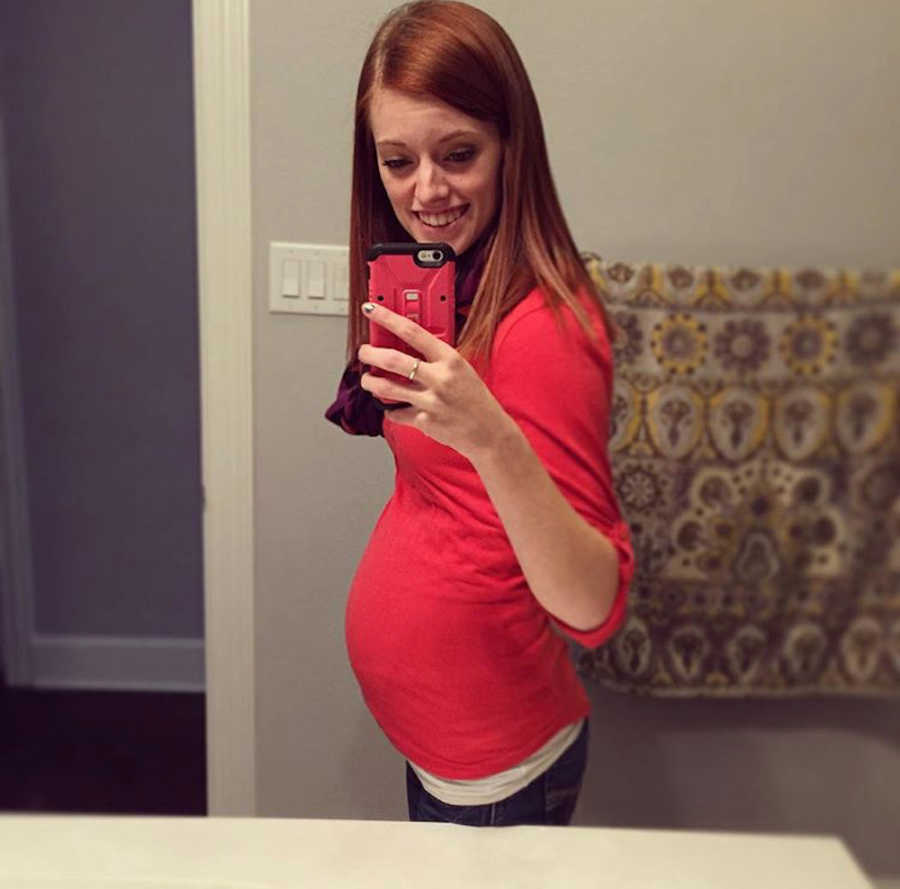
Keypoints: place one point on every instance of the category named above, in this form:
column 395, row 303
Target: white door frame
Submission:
column 224, row 246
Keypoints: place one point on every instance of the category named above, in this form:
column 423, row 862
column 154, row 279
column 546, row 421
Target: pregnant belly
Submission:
column 390, row 628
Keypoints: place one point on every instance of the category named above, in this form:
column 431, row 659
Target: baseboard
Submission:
column 118, row 663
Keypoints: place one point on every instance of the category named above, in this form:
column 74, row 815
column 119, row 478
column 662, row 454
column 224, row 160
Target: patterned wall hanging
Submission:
column 755, row 448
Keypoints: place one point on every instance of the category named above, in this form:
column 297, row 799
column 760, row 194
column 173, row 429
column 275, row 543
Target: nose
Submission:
column 431, row 185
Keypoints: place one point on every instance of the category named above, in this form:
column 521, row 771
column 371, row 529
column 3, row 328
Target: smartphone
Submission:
column 417, row 281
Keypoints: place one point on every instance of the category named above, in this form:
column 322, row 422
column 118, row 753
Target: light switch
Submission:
column 308, row 279
column 341, row 286
column 315, row 285
column 290, row 278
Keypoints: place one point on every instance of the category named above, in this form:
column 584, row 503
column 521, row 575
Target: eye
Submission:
column 461, row 155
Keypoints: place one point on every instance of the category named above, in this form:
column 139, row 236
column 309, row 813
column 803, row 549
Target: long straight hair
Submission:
column 458, row 54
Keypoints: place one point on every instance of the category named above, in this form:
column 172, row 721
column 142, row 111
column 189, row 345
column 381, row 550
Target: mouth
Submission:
column 441, row 220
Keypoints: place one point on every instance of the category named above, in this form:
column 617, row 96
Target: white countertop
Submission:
column 89, row 852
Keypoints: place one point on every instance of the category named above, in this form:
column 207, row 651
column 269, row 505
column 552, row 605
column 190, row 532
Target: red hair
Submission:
column 458, row 54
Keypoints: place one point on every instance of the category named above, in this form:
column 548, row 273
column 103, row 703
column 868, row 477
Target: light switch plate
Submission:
column 284, row 281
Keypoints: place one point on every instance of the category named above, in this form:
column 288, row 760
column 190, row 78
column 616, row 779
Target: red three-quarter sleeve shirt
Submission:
column 456, row 659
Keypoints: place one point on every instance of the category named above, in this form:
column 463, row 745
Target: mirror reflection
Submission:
column 749, row 501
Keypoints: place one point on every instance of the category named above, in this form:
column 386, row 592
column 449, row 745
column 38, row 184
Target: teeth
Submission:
column 441, row 218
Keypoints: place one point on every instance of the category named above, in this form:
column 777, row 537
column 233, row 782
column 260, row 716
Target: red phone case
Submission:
column 411, row 280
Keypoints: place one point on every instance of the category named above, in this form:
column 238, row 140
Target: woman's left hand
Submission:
column 448, row 400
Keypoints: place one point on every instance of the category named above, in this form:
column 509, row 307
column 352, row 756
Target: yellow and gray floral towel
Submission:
column 755, row 448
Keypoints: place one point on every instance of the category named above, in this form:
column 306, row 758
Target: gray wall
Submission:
column 694, row 132
column 8, row 388
column 98, row 98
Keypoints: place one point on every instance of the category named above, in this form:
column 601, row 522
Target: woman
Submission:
column 503, row 534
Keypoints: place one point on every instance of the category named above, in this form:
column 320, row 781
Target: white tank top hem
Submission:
column 493, row 788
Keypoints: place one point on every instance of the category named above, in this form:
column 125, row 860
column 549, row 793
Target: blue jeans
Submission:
column 548, row 799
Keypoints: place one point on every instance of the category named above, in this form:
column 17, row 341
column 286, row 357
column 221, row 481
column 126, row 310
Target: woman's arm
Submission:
column 571, row 567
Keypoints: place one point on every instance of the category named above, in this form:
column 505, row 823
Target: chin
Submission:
column 460, row 245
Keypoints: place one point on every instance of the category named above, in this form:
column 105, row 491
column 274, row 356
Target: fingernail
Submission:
column 368, row 308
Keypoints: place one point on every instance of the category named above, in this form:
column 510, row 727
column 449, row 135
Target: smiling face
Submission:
column 439, row 167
